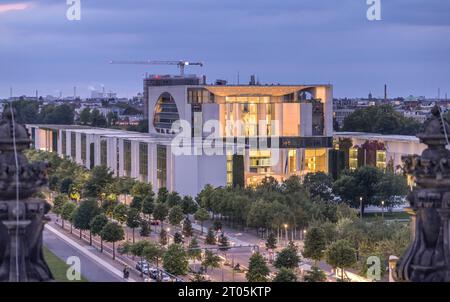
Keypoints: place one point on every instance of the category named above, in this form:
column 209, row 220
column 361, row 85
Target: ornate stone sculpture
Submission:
column 428, row 257
column 21, row 221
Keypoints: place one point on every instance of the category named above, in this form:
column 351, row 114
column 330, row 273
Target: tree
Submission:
column 224, row 245
column 112, row 118
column 391, row 189
column 210, row 237
column 153, row 253
column 160, row 213
column 57, row 115
column 288, row 257
column 142, row 190
column 87, row 210
column 381, row 119
column 120, row 213
column 97, row 225
column 341, row 254
column 315, row 275
column 285, row 275
column 97, row 119
column 148, row 206
column 98, row 180
column 163, row 237
column 58, row 203
column 173, row 199
column 187, row 228
column 67, row 212
column 133, row 220
column 217, row 225
column 201, row 215
column 66, row 183
column 145, row 228
column 257, row 269
column 194, row 251
column 271, row 242
column 176, row 215
column 189, row 205
column 315, row 244
column 360, row 183
column 112, row 232
column 175, row 260
column 85, row 116
column 178, row 238
column 136, row 203
column 319, row 184
column 210, row 259
column 162, row 195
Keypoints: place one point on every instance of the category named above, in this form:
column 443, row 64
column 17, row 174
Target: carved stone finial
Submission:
column 21, row 221
column 428, row 257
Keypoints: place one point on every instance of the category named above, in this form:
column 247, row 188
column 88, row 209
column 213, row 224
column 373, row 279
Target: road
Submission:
column 92, row 270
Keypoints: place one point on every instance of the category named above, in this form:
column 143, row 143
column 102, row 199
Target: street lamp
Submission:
column 360, row 207
column 382, row 209
column 285, row 233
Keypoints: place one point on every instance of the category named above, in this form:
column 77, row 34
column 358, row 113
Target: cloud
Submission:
column 8, row 7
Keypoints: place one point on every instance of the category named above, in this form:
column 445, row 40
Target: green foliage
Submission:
column 187, row 228
column 201, row 215
column 341, row 254
column 175, row 260
column 176, row 215
column 98, row 223
column 148, row 205
column 271, row 242
column 189, row 205
column 68, row 210
column 99, row 178
column 315, row 244
column 65, row 185
column 319, row 185
column 112, row 232
column 120, row 213
column 163, row 239
column 59, row 202
column 173, row 199
column 136, row 203
column 133, row 218
column 87, row 210
column 223, row 243
column 315, row 275
column 161, row 211
column 28, row 112
column 210, row 237
column 162, row 195
column 145, row 228
column 381, row 119
column 142, row 190
column 178, row 238
column 194, row 251
column 288, row 257
column 210, row 260
column 217, row 225
column 285, row 275
column 257, row 269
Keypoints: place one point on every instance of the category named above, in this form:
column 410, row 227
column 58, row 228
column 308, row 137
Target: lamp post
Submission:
column 382, row 209
column 285, row 233
column 360, row 207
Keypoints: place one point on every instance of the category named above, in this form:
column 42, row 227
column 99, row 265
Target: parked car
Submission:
column 165, row 278
column 153, row 273
column 142, row 266
column 154, row 222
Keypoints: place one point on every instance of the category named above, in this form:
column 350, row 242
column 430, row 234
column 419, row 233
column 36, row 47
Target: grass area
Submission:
column 387, row 215
column 58, row 267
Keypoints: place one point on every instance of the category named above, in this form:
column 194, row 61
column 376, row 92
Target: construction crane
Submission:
column 180, row 64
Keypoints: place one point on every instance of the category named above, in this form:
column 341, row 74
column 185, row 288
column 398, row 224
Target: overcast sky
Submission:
column 282, row 41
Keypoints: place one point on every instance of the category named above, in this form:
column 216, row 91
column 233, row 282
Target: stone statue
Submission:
column 428, row 257
column 22, row 217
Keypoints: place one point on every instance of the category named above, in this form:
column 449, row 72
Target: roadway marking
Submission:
column 88, row 253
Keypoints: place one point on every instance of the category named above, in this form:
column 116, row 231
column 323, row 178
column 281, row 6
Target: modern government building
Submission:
column 262, row 130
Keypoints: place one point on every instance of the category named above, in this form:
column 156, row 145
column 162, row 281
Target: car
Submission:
column 165, row 278
column 142, row 266
column 153, row 273
column 154, row 222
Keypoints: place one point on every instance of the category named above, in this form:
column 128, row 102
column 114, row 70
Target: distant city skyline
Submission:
column 287, row 41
